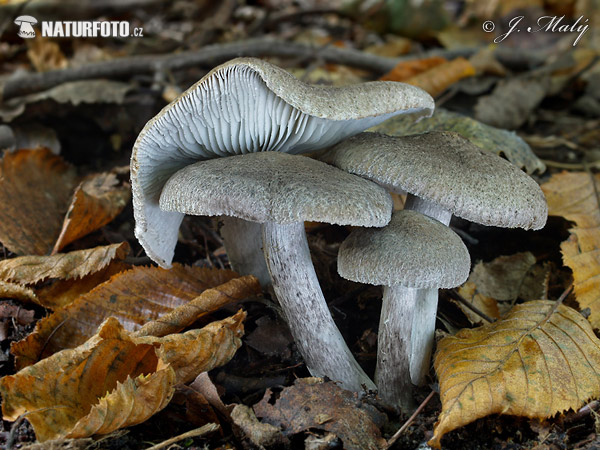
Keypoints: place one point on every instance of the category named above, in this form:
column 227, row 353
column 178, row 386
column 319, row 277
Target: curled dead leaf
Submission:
column 439, row 78
column 144, row 298
column 31, row 269
column 540, row 360
column 113, row 380
column 96, row 202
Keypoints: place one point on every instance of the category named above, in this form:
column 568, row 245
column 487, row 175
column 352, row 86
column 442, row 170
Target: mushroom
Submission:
column 248, row 105
column 443, row 174
column 412, row 257
column 25, row 23
column 281, row 191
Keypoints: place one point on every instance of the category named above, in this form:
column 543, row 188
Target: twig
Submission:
column 210, row 56
column 572, row 166
column 459, row 298
column 208, row 428
column 391, row 441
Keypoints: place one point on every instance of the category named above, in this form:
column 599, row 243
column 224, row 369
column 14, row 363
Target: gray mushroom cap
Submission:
column 276, row 187
column 448, row 170
column 413, row 250
column 248, row 105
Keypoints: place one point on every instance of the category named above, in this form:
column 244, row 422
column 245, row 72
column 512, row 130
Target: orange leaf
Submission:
column 113, row 380
column 540, row 360
column 35, row 190
column 441, row 77
column 136, row 297
column 573, row 196
column 408, row 69
column 96, row 202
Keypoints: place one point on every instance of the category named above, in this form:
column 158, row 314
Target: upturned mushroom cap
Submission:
column 448, row 170
column 276, row 187
column 248, row 105
column 413, row 250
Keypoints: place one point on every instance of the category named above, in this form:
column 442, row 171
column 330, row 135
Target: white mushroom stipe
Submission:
column 244, row 245
column 297, row 288
column 245, row 106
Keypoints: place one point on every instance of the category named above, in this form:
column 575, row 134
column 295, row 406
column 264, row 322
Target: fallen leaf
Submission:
column 96, row 202
column 512, row 102
column 573, row 196
column 73, row 92
column 538, row 361
column 64, row 292
column 17, row 291
column 146, row 300
column 31, row 269
column 439, row 78
column 504, row 277
column 45, row 54
column 21, row 315
column 483, row 303
column 113, row 380
column 258, row 433
column 314, row 403
column 35, row 190
column 488, row 138
column 407, row 69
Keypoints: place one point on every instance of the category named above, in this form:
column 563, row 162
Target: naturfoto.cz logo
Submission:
column 77, row 29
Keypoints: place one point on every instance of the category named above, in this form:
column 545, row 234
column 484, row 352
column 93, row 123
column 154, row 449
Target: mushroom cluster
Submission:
column 229, row 146
column 443, row 174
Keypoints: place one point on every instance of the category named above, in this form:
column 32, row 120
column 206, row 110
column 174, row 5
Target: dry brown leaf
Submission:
column 45, row 54
column 538, row 361
column 35, row 190
column 503, row 278
column 313, row 403
column 96, row 202
column 113, row 380
column 441, row 77
column 483, row 303
column 66, row 266
column 63, row 292
column 17, row 291
column 407, row 69
column 512, row 102
column 144, row 298
column 572, row 195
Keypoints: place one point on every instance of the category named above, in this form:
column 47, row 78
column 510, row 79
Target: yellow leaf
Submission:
column 540, row 360
column 407, row 69
column 573, row 196
column 113, row 380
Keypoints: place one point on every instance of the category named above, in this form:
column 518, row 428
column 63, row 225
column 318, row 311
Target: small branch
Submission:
column 210, row 56
column 208, row 428
column 459, row 298
column 410, row 420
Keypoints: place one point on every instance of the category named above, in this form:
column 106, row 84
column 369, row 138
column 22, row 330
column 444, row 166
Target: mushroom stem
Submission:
column 407, row 328
column 403, row 313
column 299, row 293
column 243, row 243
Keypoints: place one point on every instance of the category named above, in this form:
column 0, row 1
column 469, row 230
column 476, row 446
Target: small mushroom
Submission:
column 443, row 174
column 412, row 257
column 248, row 105
column 281, row 191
